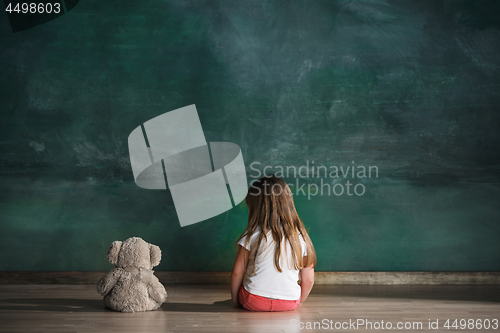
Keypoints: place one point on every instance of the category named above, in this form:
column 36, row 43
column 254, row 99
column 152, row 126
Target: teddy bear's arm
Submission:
column 157, row 291
column 108, row 281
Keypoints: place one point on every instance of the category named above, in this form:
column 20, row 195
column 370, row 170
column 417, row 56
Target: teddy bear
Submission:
column 132, row 286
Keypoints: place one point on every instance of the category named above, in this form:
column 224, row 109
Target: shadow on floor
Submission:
column 90, row 305
column 221, row 306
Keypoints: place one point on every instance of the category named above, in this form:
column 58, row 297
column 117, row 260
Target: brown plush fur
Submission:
column 131, row 286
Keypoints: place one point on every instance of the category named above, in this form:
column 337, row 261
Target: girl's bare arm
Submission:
column 307, row 280
column 240, row 265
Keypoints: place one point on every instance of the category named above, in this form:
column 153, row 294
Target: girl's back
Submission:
column 275, row 248
column 263, row 278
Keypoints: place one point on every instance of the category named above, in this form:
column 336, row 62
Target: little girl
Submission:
column 275, row 250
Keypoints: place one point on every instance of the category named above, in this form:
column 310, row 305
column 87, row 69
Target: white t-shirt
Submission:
column 266, row 280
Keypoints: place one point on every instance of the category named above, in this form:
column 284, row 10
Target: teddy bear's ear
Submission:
column 113, row 252
column 155, row 254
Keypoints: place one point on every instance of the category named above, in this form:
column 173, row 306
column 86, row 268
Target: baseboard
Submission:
column 385, row 278
column 407, row 277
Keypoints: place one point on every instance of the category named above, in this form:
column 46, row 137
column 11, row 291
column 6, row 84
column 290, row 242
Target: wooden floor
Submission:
column 78, row 308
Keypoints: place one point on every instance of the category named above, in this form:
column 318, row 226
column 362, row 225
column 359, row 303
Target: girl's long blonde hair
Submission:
column 270, row 207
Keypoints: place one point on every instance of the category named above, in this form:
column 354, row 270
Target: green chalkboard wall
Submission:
column 409, row 87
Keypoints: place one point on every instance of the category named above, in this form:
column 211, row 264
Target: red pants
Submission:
column 253, row 302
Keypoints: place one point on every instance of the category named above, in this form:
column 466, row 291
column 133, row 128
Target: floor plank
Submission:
column 207, row 308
